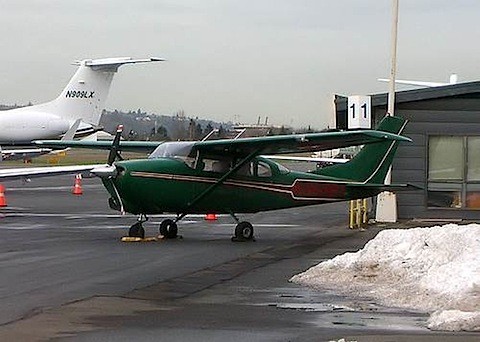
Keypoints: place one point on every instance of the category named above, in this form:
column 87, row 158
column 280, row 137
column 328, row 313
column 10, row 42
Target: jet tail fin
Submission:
column 372, row 163
column 85, row 94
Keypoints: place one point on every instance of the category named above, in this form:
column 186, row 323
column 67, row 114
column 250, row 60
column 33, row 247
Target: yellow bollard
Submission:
column 365, row 212
column 358, row 213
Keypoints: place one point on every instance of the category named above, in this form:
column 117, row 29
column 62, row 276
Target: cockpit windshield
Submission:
column 173, row 149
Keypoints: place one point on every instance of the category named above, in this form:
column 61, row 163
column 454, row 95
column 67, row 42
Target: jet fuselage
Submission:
column 21, row 126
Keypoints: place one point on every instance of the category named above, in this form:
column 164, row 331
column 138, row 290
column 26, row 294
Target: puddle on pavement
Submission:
column 329, row 309
column 381, row 321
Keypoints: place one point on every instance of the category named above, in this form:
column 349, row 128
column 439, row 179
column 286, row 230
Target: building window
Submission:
column 473, row 174
column 453, row 172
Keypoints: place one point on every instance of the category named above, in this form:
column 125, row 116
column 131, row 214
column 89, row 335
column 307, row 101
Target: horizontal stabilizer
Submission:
column 390, row 187
column 113, row 63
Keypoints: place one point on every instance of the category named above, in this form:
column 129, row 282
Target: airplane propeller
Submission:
column 115, row 146
column 109, row 172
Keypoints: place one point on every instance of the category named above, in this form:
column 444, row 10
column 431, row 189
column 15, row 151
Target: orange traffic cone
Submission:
column 77, row 187
column 211, row 217
column 3, row 199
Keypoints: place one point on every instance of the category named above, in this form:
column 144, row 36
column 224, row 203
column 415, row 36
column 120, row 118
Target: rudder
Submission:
column 372, row 163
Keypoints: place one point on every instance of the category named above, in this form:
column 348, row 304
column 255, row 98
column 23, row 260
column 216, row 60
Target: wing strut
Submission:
column 218, row 183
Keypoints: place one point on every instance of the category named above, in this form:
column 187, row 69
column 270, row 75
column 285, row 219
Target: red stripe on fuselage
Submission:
column 312, row 189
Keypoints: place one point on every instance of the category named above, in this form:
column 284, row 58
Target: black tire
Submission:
column 169, row 229
column 137, row 230
column 244, row 231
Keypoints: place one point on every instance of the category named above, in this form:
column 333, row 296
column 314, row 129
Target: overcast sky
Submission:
column 235, row 60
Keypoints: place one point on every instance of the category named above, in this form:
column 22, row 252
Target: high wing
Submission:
column 280, row 144
column 297, row 143
column 130, row 146
column 29, row 172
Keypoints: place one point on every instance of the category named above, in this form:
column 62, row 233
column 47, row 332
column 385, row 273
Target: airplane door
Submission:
column 220, row 199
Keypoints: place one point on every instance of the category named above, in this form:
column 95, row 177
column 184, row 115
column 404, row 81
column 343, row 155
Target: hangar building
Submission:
column 444, row 158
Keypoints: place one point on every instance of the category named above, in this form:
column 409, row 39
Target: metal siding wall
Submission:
column 450, row 104
column 410, row 161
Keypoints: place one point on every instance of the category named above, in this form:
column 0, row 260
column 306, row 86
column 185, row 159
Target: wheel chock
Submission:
column 147, row 239
column 238, row 239
column 137, row 239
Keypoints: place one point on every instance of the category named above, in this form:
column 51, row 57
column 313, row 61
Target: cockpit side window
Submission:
column 246, row 170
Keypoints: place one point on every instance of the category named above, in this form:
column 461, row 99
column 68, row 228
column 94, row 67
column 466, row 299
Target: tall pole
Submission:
column 387, row 201
column 393, row 72
column 393, row 67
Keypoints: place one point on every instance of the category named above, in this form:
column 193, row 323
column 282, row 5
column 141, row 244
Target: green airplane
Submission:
column 231, row 176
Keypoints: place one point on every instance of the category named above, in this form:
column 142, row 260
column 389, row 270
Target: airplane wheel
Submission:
column 244, row 231
column 169, row 229
column 137, row 230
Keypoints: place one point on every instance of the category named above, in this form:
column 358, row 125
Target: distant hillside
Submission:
column 140, row 125
column 7, row 107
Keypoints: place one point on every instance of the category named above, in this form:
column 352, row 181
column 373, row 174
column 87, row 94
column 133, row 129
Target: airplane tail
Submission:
column 85, row 94
column 372, row 163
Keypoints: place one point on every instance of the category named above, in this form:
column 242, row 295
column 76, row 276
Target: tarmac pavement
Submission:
column 66, row 275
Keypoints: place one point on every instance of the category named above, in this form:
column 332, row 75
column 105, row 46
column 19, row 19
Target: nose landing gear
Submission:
column 137, row 230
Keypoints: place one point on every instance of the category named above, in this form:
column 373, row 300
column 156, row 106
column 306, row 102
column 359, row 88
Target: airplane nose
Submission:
column 120, row 171
column 109, row 171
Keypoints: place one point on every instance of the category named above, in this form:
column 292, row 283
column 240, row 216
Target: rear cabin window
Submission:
column 263, row 169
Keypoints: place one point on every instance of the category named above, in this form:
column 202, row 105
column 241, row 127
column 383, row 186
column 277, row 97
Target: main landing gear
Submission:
column 243, row 230
column 168, row 228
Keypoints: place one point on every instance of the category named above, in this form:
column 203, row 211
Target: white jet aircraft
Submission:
column 83, row 98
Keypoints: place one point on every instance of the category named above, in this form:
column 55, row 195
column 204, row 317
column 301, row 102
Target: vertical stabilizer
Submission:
column 371, row 164
column 85, row 94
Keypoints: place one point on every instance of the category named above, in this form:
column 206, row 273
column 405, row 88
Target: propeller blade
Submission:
column 115, row 146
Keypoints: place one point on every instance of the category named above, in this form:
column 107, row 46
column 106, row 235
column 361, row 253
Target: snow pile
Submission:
column 454, row 320
column 434, row 269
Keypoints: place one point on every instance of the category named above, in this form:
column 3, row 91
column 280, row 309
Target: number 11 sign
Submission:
column 359, row 111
